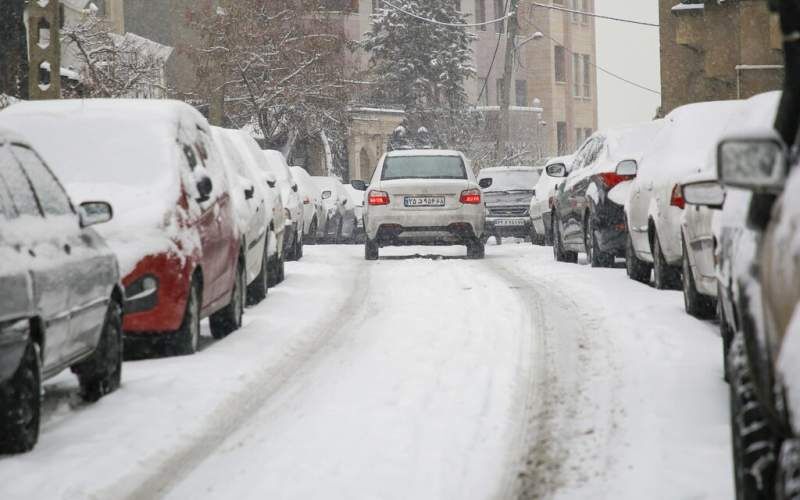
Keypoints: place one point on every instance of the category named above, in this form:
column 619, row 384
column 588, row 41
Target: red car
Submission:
column 173, row 230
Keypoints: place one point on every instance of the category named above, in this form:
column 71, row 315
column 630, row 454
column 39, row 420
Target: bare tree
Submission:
column 113, row 65
column 279, row 65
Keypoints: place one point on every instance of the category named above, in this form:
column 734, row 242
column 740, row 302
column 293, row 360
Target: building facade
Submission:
column 718, row 51
column 554, row 92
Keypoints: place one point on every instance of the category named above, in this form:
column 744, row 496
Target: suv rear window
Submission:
column 423, row 167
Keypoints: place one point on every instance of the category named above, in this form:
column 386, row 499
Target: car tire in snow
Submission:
column 186, row 339
column 752, row 438
column 101, row 374
column 476, row 249
column 299, row 250
column 21, row 404
column 559, row 253
column 312, row 233
column 257, row 290
column 295, row 253
column 595, row 256
column 638, row 270
column 666, row 277
column 229, row 318
column 696, row 304
column 371, row 250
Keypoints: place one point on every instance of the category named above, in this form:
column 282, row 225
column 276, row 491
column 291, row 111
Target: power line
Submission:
column 591, row 14
column 600, row 68
column 452, row 25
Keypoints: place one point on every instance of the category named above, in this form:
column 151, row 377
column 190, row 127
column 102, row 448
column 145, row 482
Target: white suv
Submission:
column 423, row 197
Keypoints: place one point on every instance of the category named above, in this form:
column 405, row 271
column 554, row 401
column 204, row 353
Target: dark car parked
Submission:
column 589, row 213
column 60, row 296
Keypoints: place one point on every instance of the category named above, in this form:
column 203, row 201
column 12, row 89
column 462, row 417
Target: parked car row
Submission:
column 123, row 224
column 702, row 201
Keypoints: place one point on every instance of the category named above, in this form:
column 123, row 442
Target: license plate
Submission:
column 424, row 201
column 509, row 222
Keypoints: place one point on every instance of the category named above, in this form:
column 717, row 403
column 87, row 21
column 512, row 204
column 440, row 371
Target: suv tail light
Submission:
column 471, row 197
column 611, row 179
column 676, row 200
column 378, row 198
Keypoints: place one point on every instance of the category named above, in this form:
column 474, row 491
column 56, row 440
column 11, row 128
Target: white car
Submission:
column 253, row 155
column 655, row 203
column 701, row 224
column 424, row 197
column 313, row 208
column 357, row 199
column 340, row 218
column 541, row 206
column 252, row 205
column 293, row 243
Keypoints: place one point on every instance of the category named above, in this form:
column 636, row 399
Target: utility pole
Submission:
column 512, row 24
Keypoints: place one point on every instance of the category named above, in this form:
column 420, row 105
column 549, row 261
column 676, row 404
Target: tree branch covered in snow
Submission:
column 279, row 65
column 112, row 65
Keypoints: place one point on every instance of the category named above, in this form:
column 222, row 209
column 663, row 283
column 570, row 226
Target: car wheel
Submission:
column 595, row 257
column 548, row 236
column 21, row 404
column 695, row 303
column 638, row 270
column 102, row 373
column 312, row 233
column 753, row 441
column 666, row 277
column 371, row 250
column 338, row 238
column 187, row 337
column 258, row 289
column 281, row 270
column 561, row 255
column 498, row 239
column 476, row 249
column 229, row 318
column 291, row 254
column 299, row 250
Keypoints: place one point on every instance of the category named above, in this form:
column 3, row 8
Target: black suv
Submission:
column 60, row 296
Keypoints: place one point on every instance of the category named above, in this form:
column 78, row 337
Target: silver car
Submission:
column 424, row 197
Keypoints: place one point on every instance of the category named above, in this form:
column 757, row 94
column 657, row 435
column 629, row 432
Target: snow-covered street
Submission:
column 417, row 376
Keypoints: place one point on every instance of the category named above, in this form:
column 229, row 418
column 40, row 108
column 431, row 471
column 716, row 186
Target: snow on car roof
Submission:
column 510, row 168
column 424, row 152
column 8, row 135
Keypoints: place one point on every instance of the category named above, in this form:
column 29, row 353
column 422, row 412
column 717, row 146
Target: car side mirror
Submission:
column 94, row 212
column 326, row 195
column 359, row 185
column 628, row 168
column 485, row 182
column 757, row 164
column 556, row 170
column 706, row 193
column 204, row 188
column 249, row 193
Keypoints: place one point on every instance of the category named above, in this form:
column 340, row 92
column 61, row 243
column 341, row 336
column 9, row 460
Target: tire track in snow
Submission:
column 554, row 430
column 243, row 405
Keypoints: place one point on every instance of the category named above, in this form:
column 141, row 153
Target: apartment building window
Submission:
column 575, row 6
column 499, row 84
column 480, row 13
column 561, row 137
column 587, row 8
column 560, row 58
column 484, row 98
column 577, row 74
column 587, row 76
column 521, row 92
column 500, row 11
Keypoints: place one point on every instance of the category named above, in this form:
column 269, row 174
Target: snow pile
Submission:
column 123, row 152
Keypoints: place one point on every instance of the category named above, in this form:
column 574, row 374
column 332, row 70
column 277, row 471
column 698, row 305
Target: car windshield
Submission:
column 511, row 180
column 423, row 167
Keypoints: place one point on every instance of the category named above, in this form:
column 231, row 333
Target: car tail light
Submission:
column 676, row 200
column 471, row 197
column 378, row 198
column 611, row 179
column 306, row 200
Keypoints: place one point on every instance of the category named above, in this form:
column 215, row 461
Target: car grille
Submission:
column 508, row 211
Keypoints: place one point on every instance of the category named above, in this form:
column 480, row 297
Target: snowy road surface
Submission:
column 512, row 377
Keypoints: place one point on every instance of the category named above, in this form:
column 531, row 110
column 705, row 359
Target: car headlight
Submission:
column 142, row 294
